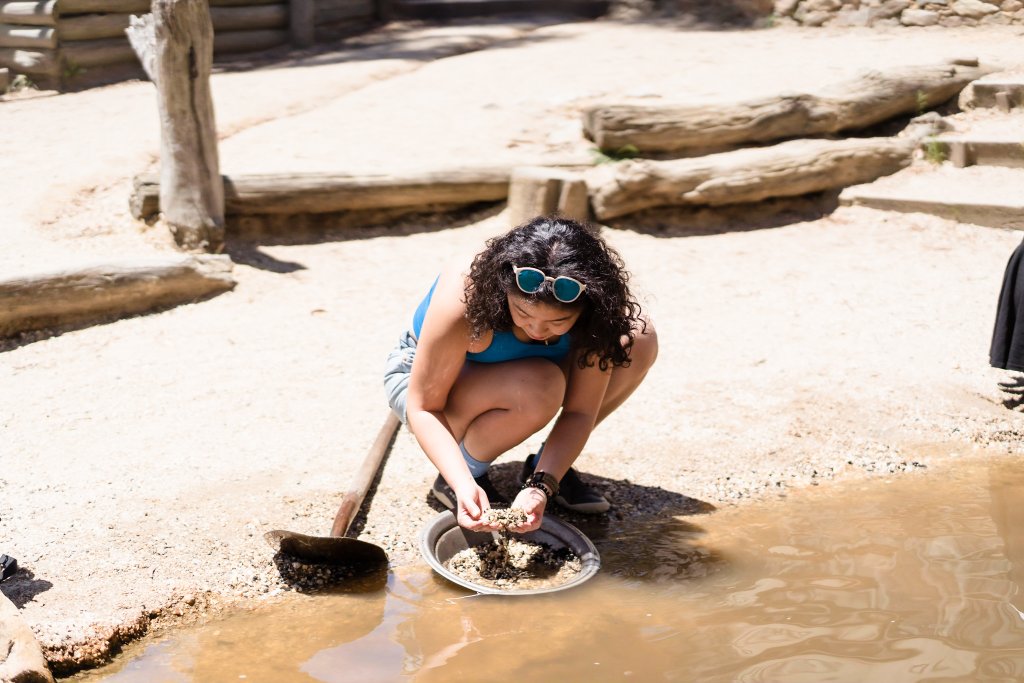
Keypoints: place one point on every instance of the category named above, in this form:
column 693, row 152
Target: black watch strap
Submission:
column 544, row 481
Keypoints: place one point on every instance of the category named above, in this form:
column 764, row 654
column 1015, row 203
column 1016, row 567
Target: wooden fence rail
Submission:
column 58, row 42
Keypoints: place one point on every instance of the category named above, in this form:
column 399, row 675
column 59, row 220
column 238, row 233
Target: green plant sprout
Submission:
column 934, row 151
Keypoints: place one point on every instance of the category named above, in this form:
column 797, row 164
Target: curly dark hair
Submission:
column 559, row 246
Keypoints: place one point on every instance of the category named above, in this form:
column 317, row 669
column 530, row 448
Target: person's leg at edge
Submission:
column 495, row 407
column 573, row 493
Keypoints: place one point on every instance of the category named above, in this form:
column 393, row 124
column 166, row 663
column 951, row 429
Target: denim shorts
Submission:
column 397, row 369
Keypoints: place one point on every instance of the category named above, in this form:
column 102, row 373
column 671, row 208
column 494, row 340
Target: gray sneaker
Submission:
column 446, row 496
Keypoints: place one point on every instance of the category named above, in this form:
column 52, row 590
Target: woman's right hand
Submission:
column 471, row 507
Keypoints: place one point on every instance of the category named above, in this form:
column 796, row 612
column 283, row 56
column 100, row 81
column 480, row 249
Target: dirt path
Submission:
column 143, row 460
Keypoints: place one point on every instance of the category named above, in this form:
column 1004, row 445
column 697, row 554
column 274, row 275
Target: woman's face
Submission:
column 540, row 320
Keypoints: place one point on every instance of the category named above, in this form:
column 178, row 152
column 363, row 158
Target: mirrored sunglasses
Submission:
column 531, row 280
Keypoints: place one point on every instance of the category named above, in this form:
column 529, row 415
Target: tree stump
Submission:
column 538, row 191
column 175, row 45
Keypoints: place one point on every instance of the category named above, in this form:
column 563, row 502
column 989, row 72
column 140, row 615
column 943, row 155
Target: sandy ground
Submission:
column 143, row 460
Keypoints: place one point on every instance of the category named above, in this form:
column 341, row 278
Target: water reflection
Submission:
column 917, row 579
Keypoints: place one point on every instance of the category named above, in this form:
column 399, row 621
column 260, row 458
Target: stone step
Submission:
column 983, row 195
column 985, row 138
column 963, row 152
column 1002, row 95
column 458, row 9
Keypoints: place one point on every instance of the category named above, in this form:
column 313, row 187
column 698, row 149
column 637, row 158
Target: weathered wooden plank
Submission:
column 242, row 3
column 31, row 37
column 92, row 26
column 248, row 41
column 249, row 18
column 31, row 62
column 88, row 53
column 861, row 102
column 787, row 169
column 101, row 291
column 66, row 7
column 330, row 11
column 30, row 13
column 297, row 193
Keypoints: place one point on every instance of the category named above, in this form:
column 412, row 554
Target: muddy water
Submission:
column 915, row 578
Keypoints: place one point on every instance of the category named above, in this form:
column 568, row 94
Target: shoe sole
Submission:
column 594, row 508
column 443, row 499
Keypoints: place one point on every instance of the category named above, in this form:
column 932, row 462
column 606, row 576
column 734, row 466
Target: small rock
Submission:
column 974, row 9
column 919, row 17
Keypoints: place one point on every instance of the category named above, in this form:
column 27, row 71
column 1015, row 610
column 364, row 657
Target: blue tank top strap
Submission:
column 504, row 344
column 421, row 310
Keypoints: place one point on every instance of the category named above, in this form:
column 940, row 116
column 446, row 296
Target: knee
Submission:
column 539, row 390
column 645, row 347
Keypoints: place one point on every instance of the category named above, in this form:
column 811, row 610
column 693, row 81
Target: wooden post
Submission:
column 538, row 191
column 175, row 46
column 303, row 22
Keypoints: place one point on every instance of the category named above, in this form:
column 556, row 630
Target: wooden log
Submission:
column 302, row 21
column 175, row 47
column 861, row 102
column 787, row 169
column 31, row 62
column 91, row 53
column 93, row 26
column 67, row 7
column 33, row 13
column 101, row 291
column 31, row 37
column 298, row 193
column 248, row 41
column 242, row 3
column 249, row 18
column 330, row 11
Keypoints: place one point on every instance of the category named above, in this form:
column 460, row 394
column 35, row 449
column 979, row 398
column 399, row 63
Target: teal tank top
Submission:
column 504, row 345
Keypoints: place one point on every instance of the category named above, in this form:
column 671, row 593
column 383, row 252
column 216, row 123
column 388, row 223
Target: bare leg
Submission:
column 624, row 381
column 494, row 407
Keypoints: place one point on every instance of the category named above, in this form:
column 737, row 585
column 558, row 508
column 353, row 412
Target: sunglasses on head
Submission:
column 531, row 280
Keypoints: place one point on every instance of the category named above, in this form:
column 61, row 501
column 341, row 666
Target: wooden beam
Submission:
column 100, row 6
column 101, row 291
column 329, row 11
column 89, row 53
column 32, row 37
column 788, row 169
column 93, row 26
column 297, row 193
column 248, row 41
column 30, row 13
column 249, row 18
column 31, row 62
column 858, row 103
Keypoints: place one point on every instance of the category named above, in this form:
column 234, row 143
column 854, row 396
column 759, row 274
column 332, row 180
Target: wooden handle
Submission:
column 354, row 496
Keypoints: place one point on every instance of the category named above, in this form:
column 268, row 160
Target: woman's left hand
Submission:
column 531, row 501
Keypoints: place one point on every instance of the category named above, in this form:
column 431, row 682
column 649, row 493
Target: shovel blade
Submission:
column 334, row 550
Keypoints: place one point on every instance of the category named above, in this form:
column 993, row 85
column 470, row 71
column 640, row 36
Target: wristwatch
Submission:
column 544, row 481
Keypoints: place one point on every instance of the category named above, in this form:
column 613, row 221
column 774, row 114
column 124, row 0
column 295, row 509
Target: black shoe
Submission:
column 573, row 494
column 8, row 565
column 446, row 496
